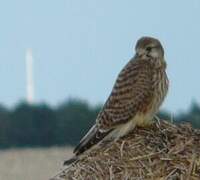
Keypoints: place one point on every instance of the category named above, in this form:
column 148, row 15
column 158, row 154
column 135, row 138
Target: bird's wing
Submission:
column 131, row 93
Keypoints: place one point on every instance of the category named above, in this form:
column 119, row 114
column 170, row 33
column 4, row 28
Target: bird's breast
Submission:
column 160, row 86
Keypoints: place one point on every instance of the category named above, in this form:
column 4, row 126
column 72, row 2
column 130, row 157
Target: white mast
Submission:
column 29, row 76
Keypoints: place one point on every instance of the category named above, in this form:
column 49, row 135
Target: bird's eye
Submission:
column 148, row 48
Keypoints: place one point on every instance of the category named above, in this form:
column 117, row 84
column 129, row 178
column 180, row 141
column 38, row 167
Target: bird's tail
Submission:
column 68, row 162
column 93, row 137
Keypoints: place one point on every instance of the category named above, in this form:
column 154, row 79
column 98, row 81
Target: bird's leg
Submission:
column 157, row 120
column 163, row 135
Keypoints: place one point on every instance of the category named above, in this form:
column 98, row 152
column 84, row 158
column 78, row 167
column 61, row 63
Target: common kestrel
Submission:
column 137, row 94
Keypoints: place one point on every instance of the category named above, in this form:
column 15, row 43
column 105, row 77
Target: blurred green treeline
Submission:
column 43, row 126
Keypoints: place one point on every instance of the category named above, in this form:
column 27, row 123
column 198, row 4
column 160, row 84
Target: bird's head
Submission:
column 149, row 47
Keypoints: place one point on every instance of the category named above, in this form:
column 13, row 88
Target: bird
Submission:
column 136, row 97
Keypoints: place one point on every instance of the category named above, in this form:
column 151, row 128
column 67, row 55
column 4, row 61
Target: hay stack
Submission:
column 161, row 152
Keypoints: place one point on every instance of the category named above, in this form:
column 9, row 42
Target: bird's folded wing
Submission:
column 131, row 94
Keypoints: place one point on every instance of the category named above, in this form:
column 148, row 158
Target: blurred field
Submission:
column 32, row 164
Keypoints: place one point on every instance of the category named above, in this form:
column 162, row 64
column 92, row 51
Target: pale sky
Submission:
column 79, row 47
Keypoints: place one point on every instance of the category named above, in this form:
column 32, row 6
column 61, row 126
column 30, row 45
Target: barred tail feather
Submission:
column 93, row 137
column 70, row 161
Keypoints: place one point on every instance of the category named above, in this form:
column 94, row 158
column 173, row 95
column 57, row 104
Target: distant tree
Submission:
column 40, row 125
column 192, row 116
column 75, row 117
column 33, row 125
column 4, row 127
column 164, row 115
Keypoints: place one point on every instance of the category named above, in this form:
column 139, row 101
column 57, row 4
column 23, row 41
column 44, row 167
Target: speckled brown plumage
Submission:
column 137, row 94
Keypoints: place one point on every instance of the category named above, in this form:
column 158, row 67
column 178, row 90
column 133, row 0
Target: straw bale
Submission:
column 163, row 151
